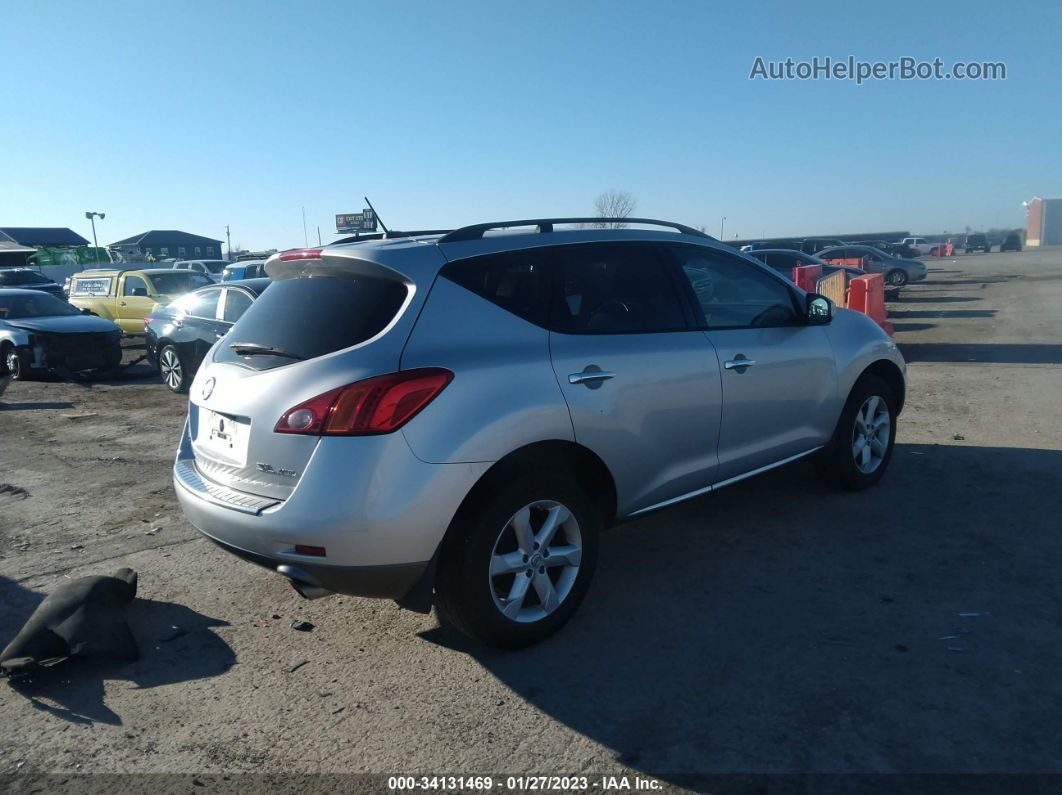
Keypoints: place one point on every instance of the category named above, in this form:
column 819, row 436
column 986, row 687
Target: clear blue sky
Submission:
column 195, row 115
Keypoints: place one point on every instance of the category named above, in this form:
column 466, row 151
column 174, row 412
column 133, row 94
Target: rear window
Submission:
column 178, row 282
column 91, row 286
column 310, row 317
column 11, row 278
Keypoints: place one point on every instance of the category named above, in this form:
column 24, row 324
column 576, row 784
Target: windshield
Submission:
column 12, row 278
column 178, row 282
column 13, row 307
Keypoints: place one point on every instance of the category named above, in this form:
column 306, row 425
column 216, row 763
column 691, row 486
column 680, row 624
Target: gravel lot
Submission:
column 773, row 627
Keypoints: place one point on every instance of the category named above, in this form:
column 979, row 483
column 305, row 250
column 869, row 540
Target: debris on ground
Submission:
column 13, row 491
column 83, row 617
column 301, row 626
column 297, row 666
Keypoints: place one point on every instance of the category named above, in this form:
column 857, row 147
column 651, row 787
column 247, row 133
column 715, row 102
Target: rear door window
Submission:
column 204, row 305
column 614, row 288
column 298, row 319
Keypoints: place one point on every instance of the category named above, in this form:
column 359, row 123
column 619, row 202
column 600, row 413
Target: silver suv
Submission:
column 456, row 417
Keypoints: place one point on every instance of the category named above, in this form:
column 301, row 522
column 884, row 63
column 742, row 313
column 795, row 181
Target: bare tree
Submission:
column 613, row 204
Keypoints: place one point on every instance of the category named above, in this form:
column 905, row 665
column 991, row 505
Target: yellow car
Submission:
column 128, row 296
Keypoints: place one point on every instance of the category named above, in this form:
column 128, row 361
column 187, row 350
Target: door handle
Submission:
column 739, row 363
column 121, row 303
column 591, row 378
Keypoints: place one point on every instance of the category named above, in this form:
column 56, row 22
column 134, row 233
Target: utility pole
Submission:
column 228, row 241
column 319, row 237
column 305, row 237
column 721, row 222
column 95, row 246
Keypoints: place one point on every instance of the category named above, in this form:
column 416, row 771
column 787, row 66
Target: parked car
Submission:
column 128, row 296
column 461, row 415
column 209, row 267
column 40, row 332
column 179, row 335
column 30, row 279
column 1012, row 242
column 783, row 261
column 896, row 271
column 977, row 242
column 245, row 269
column 919, row 244
column 813, row 245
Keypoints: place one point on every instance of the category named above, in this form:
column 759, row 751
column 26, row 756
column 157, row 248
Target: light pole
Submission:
column 95, row 246
column 721, row 222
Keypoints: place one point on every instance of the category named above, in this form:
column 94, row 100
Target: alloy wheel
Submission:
column 170, row 367
column 870, row 434
column 14, row 365
column 535, row 561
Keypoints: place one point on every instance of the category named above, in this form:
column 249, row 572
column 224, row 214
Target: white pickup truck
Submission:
column 920, row 243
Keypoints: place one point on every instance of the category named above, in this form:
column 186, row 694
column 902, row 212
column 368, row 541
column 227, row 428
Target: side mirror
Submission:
column 86, row 311
column 818, row 309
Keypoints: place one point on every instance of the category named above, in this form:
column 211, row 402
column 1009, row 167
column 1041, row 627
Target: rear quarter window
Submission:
column 310, row 317
column 515, row 281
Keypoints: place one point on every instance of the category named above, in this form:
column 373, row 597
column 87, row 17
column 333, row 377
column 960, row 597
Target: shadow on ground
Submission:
column 994, row 353
column 906, row 314
column 74, row 690
column 781, row 627
column 907, row 298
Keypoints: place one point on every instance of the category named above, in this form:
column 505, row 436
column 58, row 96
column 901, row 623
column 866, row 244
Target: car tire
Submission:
column 495, row 585
column 896, row 278
column 17, row 363
column 172, row 369
column 846, row 462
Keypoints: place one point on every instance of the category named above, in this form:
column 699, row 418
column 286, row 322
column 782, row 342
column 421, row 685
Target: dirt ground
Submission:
column 773, row 627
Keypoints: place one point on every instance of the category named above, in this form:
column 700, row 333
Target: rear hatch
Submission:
column 325, row 324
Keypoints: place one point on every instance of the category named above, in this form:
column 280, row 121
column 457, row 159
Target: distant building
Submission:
column 165, row 243
column 43, row 236
column 1043, row 226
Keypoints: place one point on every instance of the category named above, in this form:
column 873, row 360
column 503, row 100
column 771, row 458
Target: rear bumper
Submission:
column 378, row 510
column 383, row 582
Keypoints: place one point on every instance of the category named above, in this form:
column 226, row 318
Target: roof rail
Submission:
column 393, row 233
column 545, row 225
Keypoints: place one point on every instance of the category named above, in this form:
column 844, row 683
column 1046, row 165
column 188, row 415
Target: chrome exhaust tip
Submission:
column 305, row 585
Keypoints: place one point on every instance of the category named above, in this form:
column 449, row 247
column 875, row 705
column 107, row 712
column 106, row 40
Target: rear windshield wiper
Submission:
column 254, row 349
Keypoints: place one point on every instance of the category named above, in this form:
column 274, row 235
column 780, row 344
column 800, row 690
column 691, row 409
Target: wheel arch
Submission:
column 553, row 455
column 585, row 466
column 891, row 374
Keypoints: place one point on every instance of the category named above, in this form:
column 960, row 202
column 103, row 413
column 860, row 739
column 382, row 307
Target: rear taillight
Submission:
column 301, row 253
column 381, row 404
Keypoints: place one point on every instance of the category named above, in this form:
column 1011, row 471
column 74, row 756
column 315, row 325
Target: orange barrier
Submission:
column 866, row 294
column 833, row 287
column 806, row 275
column 851, row 262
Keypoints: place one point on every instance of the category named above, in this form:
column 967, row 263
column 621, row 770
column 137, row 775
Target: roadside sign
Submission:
column 365, row 221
